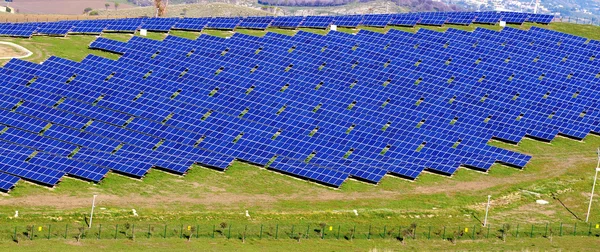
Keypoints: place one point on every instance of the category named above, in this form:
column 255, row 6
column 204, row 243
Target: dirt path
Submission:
column 219, row 199
column 10, row 50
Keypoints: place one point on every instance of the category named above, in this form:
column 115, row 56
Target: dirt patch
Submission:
column 10, row 51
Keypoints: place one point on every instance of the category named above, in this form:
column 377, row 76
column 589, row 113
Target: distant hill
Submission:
column 190, row 10
column 69, row 7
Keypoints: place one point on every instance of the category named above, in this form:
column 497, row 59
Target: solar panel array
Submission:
column 63, row 28
column 322, row 108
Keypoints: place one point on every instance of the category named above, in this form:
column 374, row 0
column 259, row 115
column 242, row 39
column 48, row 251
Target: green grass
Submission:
column 141, row 244
column 185, row 34
column 562, row 169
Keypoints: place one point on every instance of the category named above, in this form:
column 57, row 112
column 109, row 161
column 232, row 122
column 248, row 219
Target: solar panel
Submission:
column 191, row 24
column 323, row 108
column 316, row 22
column 7, row 182
column 287, row 22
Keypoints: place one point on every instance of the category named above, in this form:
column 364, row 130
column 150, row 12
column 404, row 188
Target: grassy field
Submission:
column 560, row 172
column 536, row 244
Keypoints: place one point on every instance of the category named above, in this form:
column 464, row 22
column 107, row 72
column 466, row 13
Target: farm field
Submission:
column 561, row 172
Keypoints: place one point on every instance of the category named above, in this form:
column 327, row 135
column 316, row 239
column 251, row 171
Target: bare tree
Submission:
column 161, row 7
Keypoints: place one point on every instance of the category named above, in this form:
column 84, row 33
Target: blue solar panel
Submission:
column 191, row 24
column 377, row 20
column 260, row 23
column 223, row 23
column 7, row 182
column 316, row 22
column 323, row 108
column 287, row 22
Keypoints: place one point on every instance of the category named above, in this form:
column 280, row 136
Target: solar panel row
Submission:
column 323, row 108
column 63, row 28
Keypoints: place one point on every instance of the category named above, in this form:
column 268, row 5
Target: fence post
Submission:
column 444, row 235
column 384, row 230
column 338, row 235
column 197, row 228
column 473, row 236
column 148, row 234
column 307, row 229
column 429, row 233
column 50, row 226
column 546, row 232
column 531, row 234
column 99, row 231
column 369, row 234
column 488, row 231
column 575, row 229
column 560, row 234
column 517, row 234
column 353, row 231
column 66, row 230
column 260, row 234
column 15, row 236
column 229, row 232
column 116, row 228
column 133, row 231
column 590, row 230
column 181, row 231
column 276, row 231
column 165, row 232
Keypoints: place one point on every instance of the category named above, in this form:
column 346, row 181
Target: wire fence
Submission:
column 454, row 233
column 577, row 20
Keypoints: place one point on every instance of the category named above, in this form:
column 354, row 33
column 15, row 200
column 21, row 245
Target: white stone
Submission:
column 541, row 202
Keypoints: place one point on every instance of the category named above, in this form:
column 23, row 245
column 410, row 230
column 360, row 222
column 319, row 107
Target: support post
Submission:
column 487, row 208
column 92, row 212
column 587, row 217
